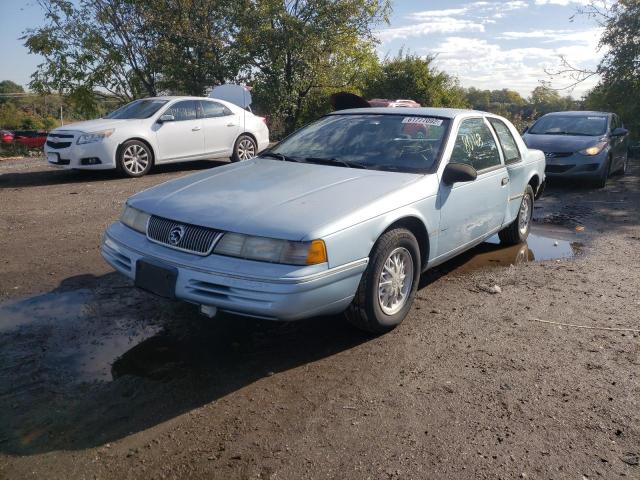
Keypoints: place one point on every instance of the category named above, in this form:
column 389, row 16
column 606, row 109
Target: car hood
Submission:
column 560, row 143
column 276, row 199
column 93, row 125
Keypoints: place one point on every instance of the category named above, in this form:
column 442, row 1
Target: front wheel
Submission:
column 134, row 158
column 518, row 230
column 389, row 284
column 244, row 149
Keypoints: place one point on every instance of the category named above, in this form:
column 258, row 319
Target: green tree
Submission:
column 619, row 87
column 8, row 87
column 94, row 44
column 415, row 78
column 296, row 49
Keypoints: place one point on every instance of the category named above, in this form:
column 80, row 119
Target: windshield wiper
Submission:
column 334, row 161
column 280, row 156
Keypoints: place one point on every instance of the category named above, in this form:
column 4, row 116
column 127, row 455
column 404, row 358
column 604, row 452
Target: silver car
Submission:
column 342, row 216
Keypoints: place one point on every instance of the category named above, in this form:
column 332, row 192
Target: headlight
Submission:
column 94, row 137
column 271, row 249
column 135, row 219
column 594, row 150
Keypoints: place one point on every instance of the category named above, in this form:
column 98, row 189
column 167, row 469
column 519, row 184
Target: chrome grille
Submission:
column 191, row 238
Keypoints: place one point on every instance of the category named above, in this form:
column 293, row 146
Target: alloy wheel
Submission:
column 524, row 216
column 395, row 281
column 135, row 159
column 246, row 149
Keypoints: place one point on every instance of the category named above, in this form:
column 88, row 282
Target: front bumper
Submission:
column 257, row 289
column 576, row 165
column 77, row 156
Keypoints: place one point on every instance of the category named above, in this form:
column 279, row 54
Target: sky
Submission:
column 486, row 44
column 496, row 44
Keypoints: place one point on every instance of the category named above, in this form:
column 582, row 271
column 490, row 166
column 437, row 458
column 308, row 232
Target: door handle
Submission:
column 231, row 124
column 195, row 129
column 505, row 180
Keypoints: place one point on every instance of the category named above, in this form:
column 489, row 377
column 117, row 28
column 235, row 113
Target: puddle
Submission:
column 80, row 332
column 543, row 244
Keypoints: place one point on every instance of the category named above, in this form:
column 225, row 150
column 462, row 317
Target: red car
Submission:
column 6, row 136
column 31, row 138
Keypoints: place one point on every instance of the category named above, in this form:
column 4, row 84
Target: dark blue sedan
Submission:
column 588, row 146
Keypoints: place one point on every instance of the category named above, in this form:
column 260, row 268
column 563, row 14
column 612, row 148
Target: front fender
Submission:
column 356, row 242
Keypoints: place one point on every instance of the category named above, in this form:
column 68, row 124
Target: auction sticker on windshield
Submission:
column 423, row 120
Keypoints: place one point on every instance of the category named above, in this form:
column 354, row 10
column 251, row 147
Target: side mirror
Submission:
column 166, row 118
column 458, row 172
column 619, row 132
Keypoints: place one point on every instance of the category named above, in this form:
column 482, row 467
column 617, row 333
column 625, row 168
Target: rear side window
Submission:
column 185, row 110
column 507, row 142
column 214, row 109
column 475, row 145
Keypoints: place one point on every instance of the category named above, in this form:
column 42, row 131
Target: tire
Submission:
column 601, row 182
column 518, row 230
column 135, row 158
column 372, row 310
column 625, row 165
column 245, row 148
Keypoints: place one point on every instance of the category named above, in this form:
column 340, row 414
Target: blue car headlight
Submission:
column 271, row 249
column 594, row 150
column 135, row 219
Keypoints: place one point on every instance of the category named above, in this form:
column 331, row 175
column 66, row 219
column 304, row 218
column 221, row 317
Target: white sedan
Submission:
column 160, row 130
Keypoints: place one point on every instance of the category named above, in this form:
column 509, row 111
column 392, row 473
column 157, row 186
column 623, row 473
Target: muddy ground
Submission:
column 98, row 380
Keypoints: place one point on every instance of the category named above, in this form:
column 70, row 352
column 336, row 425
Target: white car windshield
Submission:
column 584, row 125
column 137, row 109
column 390, row 142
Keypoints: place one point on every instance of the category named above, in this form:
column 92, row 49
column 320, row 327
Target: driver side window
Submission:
column 475, row 145
column 185, row 110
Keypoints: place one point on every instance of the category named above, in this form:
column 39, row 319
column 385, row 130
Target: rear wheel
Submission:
column 244, row 149
column 134, row 158
column 518, row 230
column 389, row 284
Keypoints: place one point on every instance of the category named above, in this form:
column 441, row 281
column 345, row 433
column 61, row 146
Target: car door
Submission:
column 221, row 128
column 181, row 138
column 470, row 211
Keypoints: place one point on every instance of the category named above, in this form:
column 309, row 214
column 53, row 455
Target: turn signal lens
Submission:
column 317, row 253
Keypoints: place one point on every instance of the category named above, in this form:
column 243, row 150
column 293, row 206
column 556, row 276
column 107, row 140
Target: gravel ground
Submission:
column 98, row 380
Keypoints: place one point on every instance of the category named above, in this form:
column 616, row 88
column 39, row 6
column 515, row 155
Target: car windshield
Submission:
column 137, row 109
column 586, row 125
column 383, row 142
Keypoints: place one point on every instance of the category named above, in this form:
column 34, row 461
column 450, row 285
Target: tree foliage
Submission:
column 619, row 86
column 416, row 78
column 298, row 48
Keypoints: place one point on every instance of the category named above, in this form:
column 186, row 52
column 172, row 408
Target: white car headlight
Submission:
column 272, row 249
column 135, row 219
column 594, row 150
column 94, row 137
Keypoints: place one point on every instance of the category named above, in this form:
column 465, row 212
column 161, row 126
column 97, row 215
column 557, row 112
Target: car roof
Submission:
column 578, row 113
column 176, row 97
column 415, row 111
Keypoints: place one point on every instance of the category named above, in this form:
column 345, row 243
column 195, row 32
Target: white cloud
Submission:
column 483, row 64
column 447, row 12
column 563, row 3
column 445, row 25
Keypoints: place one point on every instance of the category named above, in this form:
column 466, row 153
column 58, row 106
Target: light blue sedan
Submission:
column 342, row 216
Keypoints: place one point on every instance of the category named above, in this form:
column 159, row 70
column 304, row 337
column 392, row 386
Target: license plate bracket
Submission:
column 156, row 278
